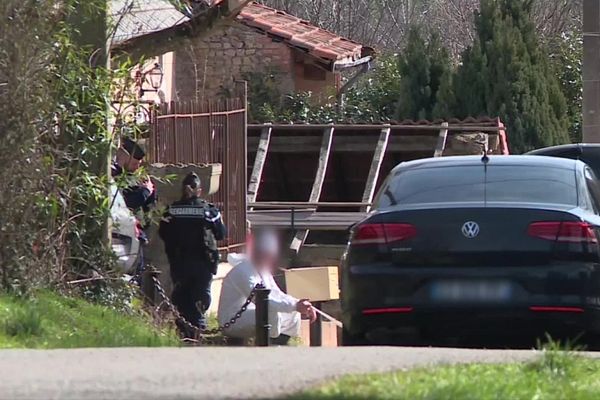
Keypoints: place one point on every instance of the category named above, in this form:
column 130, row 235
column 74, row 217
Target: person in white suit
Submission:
column 285, row 311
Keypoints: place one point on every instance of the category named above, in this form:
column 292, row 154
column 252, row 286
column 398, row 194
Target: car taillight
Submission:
column 562, row 231
column 382, row 233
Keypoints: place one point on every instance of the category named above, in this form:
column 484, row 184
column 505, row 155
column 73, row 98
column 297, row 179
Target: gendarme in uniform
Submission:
column 190, row 230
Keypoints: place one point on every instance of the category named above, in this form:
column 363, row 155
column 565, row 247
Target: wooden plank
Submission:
column 305, row 215
column 259, row 163
column 375, row 169
column 288, row 205
column 317, row 187
column 346, row 144
column 306, row 220
column 441, row 145
column 377, row 128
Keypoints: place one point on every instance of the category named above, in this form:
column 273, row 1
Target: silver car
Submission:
column 125, row 242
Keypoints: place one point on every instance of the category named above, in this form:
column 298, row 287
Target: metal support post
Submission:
column 293, row 216
column 263, row 328
column 148, row 287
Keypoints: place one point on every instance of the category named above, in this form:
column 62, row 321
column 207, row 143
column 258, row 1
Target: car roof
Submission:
column 526, row 160
column 565, row 147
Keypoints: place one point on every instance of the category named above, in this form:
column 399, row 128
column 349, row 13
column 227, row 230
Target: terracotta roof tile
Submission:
column 301, row 34
column 479, row 121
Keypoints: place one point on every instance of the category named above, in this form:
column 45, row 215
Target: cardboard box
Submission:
column 305, row 333
column 329, row 332
column 315, row 284
column 216, row 286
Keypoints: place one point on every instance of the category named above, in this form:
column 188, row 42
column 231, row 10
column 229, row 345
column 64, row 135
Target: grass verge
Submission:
column 555, row 376
column 49, row 320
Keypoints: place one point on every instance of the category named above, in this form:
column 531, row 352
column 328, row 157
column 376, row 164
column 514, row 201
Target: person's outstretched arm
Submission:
column 215, row 219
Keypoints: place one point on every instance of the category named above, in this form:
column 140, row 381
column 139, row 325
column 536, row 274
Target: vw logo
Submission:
column 470, row 230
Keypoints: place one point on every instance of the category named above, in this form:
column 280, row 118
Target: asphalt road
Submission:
column 207, row 373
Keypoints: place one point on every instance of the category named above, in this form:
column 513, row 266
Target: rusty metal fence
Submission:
column 208, row 132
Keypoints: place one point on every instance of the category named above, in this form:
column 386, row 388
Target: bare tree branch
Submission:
column 384, row 23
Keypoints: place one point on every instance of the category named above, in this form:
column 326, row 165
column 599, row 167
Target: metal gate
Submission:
column 208, row 132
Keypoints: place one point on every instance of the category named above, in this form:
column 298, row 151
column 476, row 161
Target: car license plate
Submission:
column 479, row 291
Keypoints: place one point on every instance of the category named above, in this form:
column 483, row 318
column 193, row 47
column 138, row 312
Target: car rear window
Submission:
column 457, row 184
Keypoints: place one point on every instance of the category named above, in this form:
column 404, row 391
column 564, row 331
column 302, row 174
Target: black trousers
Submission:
column 191, row 293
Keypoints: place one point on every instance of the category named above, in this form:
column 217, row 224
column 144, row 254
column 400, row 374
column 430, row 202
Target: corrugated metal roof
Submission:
column 303, row 35
column 134, row 18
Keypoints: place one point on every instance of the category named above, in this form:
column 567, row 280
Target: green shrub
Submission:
column 23, row 322
column 48, row 320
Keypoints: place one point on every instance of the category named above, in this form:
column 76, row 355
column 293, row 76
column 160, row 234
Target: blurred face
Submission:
column 265, row 252
column 265, row 262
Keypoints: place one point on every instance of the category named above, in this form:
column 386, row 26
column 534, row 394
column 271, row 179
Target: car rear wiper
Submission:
column 390, row 195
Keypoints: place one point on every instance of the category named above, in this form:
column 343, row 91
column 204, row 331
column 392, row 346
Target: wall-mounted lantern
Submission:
column 153, row 77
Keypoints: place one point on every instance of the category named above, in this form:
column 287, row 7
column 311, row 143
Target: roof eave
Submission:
column 345, row 64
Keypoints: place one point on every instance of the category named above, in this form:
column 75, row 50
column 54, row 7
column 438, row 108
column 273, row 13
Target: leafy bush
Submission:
column 23, row 322
column 373, row 99
column 54, row 146
column 264, row 96
column 567, row 59
column 375, row 96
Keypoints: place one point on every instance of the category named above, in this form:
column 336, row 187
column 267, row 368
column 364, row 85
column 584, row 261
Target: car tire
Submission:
column 349, row 339
column 592, row 342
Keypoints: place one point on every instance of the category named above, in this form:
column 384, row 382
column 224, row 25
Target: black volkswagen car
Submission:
column 500, row 247
column 589, row 153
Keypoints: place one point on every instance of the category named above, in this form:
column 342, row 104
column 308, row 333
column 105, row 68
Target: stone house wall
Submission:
column 208, row 67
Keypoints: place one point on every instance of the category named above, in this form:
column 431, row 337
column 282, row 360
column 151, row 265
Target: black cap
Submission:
column 133, row 148
column 192, row 180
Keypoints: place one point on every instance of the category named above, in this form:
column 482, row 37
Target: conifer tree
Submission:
column 507, row 73
column 423, row 66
